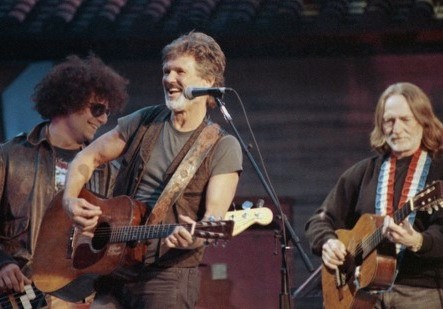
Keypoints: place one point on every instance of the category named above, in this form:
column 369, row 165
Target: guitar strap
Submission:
column 203, row 143
column 415, row 181
column 184, row 172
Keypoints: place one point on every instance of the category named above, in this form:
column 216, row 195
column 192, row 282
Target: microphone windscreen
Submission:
column 188, row 93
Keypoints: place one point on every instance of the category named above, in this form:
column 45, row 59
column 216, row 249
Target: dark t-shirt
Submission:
column 63, row 158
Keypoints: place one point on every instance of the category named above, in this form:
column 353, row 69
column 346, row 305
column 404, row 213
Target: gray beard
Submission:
column 177, row 105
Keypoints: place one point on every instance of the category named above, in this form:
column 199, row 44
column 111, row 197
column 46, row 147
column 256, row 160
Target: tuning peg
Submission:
column 246, row 205
column 233, row 206
column 260, row 203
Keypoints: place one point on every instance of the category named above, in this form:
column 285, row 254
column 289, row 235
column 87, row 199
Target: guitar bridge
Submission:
column 340, row 278
column 350, row 269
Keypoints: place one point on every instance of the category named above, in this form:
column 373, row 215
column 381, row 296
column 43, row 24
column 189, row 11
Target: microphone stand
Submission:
column 284, row 299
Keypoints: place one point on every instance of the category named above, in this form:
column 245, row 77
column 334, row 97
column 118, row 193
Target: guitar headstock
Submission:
column 214, row 229
column 430, row 198
column 245, row 218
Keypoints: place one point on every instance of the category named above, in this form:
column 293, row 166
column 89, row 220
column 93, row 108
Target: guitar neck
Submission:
column 210, row 230
column 402, row 213
column 372, row 241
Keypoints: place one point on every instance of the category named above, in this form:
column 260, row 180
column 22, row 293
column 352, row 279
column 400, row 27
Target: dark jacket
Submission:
column 27, row 185
column 354, row 195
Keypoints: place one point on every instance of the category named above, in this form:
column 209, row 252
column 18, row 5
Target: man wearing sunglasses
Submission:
column 75, row 99
column 169, row 276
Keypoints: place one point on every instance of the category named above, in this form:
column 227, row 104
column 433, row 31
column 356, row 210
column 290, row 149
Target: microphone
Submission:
column 193, row 92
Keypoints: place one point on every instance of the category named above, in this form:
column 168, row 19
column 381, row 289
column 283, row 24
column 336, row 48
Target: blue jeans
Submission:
column 410, row 297
column 157, row 288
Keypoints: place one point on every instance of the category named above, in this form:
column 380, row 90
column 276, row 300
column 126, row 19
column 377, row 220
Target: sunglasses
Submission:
column 98, row 109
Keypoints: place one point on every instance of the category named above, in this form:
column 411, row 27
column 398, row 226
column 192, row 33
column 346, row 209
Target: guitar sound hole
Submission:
column 348, row 268
column 101, row 237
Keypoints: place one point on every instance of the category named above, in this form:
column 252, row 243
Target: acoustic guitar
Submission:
column 371, row 260
column 66, row 263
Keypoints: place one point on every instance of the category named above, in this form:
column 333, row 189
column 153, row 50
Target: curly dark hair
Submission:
column 210, row 59
column 68, row 87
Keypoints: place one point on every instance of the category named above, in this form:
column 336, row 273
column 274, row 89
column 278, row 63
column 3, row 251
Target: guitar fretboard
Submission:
column 119, row 234
column 133, row 233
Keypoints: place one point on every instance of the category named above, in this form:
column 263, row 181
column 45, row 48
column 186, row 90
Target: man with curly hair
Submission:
column 75, row 98
column 168, row 276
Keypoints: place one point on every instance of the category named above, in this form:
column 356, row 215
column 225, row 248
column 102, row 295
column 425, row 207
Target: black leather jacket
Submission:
column 27, row 185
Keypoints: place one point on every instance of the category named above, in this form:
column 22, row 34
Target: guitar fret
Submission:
column 139, row 232
column 155, row 231
column 370, row 242
column 124, row 234
column 130, row 234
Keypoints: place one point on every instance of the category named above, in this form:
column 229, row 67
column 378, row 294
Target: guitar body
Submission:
column 66, row 262
column 346, row 287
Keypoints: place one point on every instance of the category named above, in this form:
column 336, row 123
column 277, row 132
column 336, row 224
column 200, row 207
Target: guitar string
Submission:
column 399, row 215
column 370, row 242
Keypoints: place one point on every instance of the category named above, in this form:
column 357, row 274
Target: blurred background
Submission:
column 308, row 73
